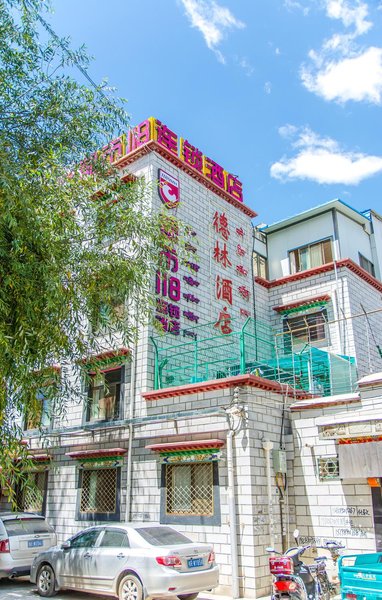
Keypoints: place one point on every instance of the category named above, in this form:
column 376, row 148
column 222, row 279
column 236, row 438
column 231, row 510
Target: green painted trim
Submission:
column 303, row 307
column 189, row 452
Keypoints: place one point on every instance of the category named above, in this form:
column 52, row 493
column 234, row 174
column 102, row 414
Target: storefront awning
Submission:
column 360, row 460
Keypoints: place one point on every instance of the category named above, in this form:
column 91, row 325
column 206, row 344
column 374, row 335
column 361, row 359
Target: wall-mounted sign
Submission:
column 169, row 189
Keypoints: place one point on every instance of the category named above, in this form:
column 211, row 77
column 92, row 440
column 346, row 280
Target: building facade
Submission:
column 198, row 427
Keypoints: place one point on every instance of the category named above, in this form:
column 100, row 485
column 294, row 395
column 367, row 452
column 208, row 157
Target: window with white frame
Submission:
column 310, row 256
column 260, row 266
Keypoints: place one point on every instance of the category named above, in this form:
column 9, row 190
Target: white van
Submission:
column 22, row 537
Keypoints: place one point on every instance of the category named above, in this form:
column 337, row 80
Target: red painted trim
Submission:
column 301, row 303
column 105, row 355
column 362, row 440
column 346, row 262
column 228, row 382
column 40, row 457
column 153, row 146
column 191, row 445
column 99, row 453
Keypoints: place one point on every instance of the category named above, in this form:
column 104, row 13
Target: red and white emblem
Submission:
column 169, row 189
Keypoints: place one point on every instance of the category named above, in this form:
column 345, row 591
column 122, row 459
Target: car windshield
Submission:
column 163, row 536
column 26, row 526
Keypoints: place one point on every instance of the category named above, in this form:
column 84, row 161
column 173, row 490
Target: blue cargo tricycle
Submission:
column 361, row 576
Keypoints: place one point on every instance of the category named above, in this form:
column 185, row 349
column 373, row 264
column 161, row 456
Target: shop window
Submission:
column 31, row 493
column 328, row 468
column 305, row 329
column 310, row 256
column 190, row 493
column 104, row 396
column 366, row 264
column 99, row 494
column 260, row 266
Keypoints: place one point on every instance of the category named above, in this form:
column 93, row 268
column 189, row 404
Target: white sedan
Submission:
column 132, row 562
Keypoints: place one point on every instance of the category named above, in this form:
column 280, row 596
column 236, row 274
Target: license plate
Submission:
column 35, row 543
column 194, row 562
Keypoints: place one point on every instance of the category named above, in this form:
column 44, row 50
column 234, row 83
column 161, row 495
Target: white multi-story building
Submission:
column 181, row 428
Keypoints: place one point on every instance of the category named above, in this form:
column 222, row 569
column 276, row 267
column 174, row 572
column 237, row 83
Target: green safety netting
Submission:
column 206, row 354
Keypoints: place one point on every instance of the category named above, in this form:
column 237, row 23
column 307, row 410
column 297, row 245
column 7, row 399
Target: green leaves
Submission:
column 69, row 244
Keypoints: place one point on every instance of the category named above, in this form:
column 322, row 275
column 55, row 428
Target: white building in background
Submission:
column 181, row 428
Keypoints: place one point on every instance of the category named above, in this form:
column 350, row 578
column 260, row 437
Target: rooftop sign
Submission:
column 154, row 130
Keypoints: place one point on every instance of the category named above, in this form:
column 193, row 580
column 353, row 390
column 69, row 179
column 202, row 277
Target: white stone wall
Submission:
column 332, row 509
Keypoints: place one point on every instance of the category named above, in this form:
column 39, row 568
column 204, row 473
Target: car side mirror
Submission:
column 65, row 545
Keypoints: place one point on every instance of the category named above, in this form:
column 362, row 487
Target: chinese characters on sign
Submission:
column 224, row 285
column 154, row 130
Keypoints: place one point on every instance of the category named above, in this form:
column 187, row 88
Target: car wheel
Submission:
column 130, row 588
column 188, row 596
column 46, row 581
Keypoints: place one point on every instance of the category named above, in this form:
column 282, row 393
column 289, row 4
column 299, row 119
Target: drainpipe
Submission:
column 235, row 414
column 129, row 472
column 268, row 446
column 232, row 516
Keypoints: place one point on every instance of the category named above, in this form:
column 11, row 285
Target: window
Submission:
column 328, row 468
column 104, row 398
column 99, row 492
column 38, row 414
column 366, row 264
column 31, row 494
column 163, row 536
column 310, row 256
column 85, row 540
column 115, row 538
column 309, row 328
column 259, row 235
column 190, row 493
column 260, row 266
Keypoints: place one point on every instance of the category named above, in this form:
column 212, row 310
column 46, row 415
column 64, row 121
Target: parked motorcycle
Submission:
column 295, row 580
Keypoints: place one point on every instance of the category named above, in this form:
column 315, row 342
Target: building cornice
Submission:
column 153, row 146
column 228, row 382
column 346, row 262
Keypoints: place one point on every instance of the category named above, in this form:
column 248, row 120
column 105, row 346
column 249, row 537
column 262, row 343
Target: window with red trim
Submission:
column 104, row 396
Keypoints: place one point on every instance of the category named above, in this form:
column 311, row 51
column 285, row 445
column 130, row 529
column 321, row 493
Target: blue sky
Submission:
column 286, row 94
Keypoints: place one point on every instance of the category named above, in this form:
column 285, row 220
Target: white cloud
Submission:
column 342, row 70
column 212, row 20
column 246, row 66
column 323, row 160
column 358, row 78
column 267, row 87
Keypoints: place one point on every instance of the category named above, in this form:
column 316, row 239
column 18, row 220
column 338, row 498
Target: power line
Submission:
column 71, row 55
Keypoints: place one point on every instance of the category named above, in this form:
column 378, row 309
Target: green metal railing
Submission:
column 250, row 348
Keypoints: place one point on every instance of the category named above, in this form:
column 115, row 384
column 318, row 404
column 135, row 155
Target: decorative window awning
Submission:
column 300, row 305
column 189, row 451
column 105, row 360
column 110, row 457
column 40, row 458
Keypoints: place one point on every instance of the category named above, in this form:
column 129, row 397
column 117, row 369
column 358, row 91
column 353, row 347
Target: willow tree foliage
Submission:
column 65, row 266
